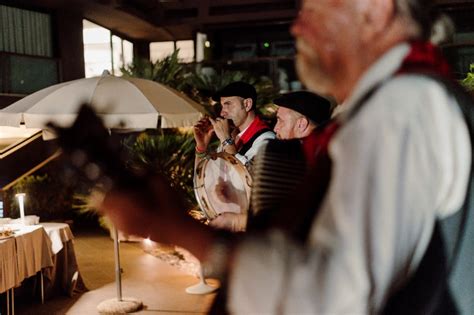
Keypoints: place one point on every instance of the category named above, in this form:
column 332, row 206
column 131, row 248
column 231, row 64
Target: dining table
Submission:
column 46, row 249
column 22, row 255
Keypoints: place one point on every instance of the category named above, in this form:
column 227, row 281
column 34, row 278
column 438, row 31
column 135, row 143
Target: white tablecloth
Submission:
column 59, row 234
column 58, row 279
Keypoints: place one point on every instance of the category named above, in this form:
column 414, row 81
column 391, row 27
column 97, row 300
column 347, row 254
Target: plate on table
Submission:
column 4, row 237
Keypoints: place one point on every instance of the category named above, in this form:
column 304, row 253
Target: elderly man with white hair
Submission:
column 401, row 159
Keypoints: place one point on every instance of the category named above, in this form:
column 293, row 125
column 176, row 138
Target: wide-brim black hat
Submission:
column 314, row 107
column 238, row 88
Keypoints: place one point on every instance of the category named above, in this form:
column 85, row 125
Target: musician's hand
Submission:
column 221, row 128
column 212, row 155
column 141, row 210
column 203, row 131
column 157, row 212
column 234, row 222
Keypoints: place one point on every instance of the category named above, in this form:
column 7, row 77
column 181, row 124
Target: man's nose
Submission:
column 295, row 28
column 301, row 24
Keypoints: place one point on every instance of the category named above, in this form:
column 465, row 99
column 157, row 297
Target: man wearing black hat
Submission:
column 302, row 115
column 238, row 101
column 299, row 113
column 301, row 118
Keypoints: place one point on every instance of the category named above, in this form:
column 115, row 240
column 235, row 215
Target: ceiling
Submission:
column 160, row 20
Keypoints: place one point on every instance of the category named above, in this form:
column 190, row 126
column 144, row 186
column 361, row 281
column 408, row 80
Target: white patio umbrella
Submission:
column 128, row 103
column 124, row 103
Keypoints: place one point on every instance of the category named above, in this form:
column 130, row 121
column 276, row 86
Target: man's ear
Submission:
column 377, row 16
column 302, row 123
column 248, row 104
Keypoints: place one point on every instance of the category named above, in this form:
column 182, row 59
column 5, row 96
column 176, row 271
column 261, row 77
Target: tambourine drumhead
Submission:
column 222, row 185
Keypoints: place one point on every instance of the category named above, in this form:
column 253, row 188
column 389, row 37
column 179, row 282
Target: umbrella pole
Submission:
column 118, row 270
column 119, row 304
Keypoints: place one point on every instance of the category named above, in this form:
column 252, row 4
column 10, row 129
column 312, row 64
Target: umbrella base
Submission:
column 201, row 288
column 114, row 306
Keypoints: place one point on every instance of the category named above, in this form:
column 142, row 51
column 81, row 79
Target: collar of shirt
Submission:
column 256, row 125
column 242, row 132
column 382, row 69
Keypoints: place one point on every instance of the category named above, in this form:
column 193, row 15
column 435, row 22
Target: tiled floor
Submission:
column 158, row 285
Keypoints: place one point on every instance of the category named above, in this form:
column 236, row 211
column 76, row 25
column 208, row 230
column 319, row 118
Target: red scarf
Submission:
column 316, row 144
column 424, row 57
column 255, row 126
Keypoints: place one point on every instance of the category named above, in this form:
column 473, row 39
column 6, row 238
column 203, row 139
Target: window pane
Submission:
column 160, row 50
column 186, row 50
column 97, row 51
column 25, row 32
column 117, row 54
column 127, row 52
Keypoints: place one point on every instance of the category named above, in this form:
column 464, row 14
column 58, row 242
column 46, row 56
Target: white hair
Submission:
column 430, row 24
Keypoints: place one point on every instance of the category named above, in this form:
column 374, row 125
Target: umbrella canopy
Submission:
column 129, row 103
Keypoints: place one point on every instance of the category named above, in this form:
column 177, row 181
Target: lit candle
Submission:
column 21, row 203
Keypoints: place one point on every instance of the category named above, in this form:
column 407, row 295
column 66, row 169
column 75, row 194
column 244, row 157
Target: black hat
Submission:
column 314, row 107
column 238, row 88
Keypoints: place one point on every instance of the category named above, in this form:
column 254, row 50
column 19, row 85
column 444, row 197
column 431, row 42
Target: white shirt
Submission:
column 400, row 163
column 256, row 145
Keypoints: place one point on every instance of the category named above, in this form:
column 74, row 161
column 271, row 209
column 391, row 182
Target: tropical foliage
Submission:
column 167, row 71
column 468, row 81
column 170, row 154
column 198, row 85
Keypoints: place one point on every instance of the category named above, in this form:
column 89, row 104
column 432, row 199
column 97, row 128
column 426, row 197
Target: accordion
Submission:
column 278, row 170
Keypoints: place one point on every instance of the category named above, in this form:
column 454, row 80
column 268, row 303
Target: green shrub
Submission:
column 167, row 71
column 468, row 81
column 170, row 154
column 46, row 197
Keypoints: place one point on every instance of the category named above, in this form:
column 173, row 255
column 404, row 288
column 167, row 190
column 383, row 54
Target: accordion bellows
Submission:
column 278, row 170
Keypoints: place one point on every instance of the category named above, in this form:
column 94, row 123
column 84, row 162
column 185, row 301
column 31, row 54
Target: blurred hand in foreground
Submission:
column 156, row 211
column 233, row 222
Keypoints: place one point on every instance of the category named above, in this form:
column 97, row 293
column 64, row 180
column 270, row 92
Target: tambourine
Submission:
column 222, row 184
